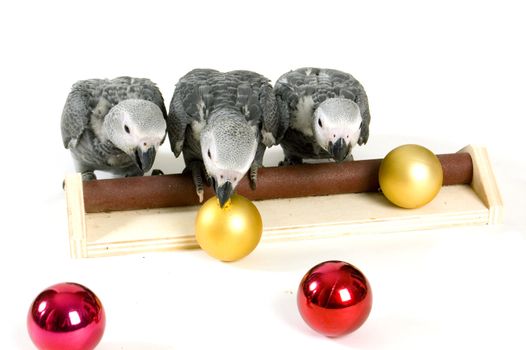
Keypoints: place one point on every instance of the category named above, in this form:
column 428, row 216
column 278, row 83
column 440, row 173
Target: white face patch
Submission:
column 355, row 134
column 302, row 118
column 208, row 152
column 225, row 164
column 135, row 124
column 335, row 119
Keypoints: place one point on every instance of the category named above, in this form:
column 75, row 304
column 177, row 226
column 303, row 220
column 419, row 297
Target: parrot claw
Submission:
column 253, row 176
column 156, row 172
column 88, row 176
column 196, row 169
column 290, row 161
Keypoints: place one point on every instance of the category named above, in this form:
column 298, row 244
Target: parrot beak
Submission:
column 145, row 160
column 339, row 149
column 224, row 192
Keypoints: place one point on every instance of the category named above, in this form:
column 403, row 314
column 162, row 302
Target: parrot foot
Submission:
column 197, row 169
column 156, row 172
column 88, row 176
column 200, row 194
column 253, row 176
column 291, row 161
column 134, row 172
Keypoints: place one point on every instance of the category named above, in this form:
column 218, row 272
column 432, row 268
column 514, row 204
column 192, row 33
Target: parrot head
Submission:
column 137, row 127
column 228, row 148
column 336, row 126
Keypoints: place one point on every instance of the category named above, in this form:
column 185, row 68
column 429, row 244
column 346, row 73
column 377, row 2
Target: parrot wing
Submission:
column 76, row 114
column 192, row 101
column 256, row 100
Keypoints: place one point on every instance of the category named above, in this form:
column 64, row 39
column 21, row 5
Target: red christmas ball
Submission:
column 334, row 298
column 66, row 316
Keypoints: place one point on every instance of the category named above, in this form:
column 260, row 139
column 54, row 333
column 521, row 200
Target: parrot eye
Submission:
column 209, row 154
column 319, row 123
column 126, row 129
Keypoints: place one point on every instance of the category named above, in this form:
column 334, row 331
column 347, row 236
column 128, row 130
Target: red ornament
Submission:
column 66, row 316
column 334, row 298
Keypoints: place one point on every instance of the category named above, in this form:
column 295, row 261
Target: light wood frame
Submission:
column 167, row 229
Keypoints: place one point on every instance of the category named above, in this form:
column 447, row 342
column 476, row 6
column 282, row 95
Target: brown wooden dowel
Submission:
column 163, row 191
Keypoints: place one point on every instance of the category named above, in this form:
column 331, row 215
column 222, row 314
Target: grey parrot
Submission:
column 327, row 111
column 223, row 123
column 114, row 125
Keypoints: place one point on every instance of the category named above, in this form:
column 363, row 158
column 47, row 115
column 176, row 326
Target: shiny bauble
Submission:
column 66, row 316
column 229, row 233
column 410, row 176
column 334, row 298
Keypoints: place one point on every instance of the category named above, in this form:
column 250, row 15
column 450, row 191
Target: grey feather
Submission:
column 203, row 98
column 299, row 93
column 83, row 121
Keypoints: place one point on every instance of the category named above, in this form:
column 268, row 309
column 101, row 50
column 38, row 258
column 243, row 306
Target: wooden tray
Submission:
column 167, row 229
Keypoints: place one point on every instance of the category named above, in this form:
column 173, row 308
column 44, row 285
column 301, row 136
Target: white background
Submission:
column 443, row 75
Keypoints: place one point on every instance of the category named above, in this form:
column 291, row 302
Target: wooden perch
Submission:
column 304, row 180
column 157, row 213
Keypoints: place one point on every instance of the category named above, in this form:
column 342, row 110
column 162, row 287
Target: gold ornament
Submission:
column 229, row 233
column 410, row 176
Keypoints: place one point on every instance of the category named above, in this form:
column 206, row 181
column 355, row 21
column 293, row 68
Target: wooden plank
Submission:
column 284, row 219
column 484, row 183
column 167, row 229
column 78, row 239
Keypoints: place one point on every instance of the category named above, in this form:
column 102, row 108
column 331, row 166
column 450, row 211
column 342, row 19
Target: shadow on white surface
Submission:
column 285, row 308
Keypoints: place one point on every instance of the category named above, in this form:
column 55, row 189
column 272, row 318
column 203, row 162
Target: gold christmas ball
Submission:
column 229, row 233
column 410, row 176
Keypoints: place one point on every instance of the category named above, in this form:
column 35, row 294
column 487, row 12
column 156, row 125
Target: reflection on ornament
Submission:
column 334, row 298
column 229, row 233
column 410, row 176
column 66, row 316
